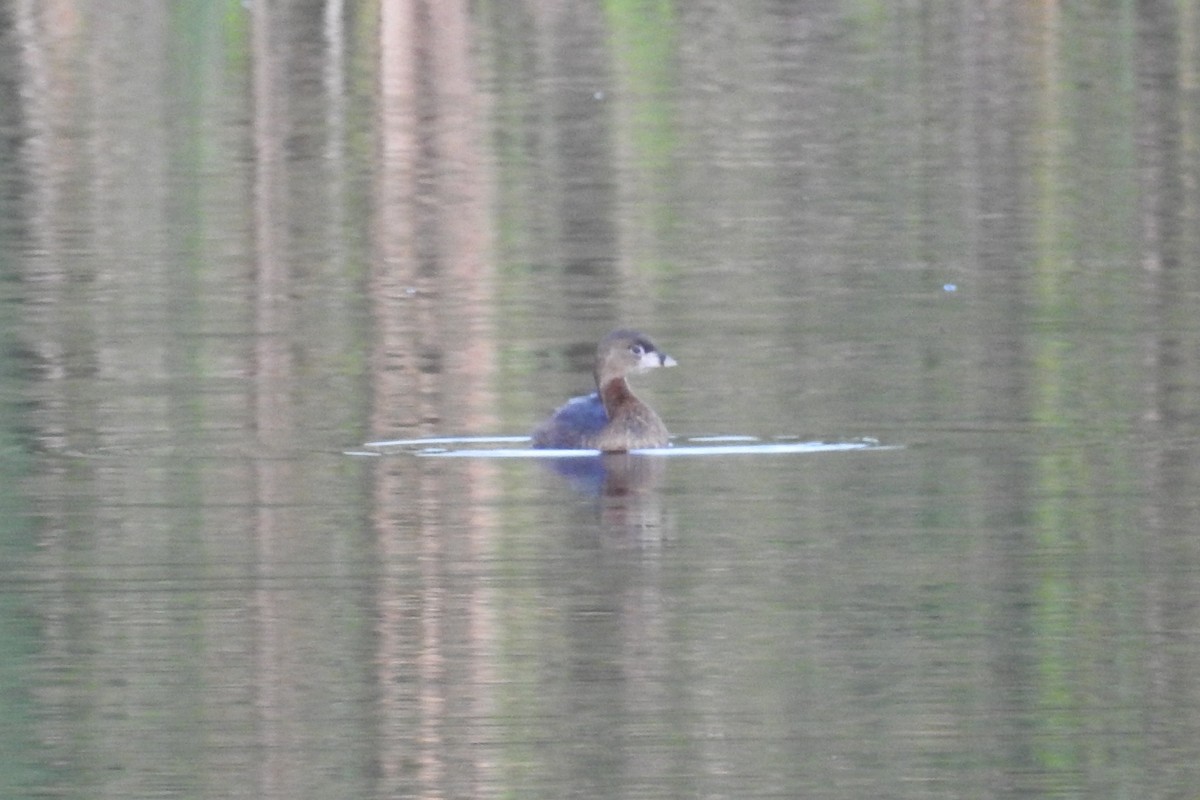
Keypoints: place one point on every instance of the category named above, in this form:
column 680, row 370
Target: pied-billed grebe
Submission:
column 612, row 418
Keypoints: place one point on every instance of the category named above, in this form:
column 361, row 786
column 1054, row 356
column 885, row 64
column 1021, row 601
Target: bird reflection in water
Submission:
column 627, row 488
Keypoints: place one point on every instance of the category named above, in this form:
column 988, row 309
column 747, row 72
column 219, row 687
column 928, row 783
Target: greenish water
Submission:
column 239, row 241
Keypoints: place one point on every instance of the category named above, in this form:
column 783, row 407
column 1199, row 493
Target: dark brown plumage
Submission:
column 613, row 419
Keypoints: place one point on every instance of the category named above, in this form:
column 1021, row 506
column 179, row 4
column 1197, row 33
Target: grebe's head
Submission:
column 625, row 352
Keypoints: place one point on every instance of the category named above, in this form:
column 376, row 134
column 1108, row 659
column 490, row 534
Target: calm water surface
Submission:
column 238, row 241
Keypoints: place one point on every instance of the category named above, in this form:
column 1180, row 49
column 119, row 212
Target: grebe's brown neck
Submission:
column 614, row 393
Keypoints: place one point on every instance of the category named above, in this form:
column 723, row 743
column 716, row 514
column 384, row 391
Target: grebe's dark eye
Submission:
column 637, row 349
